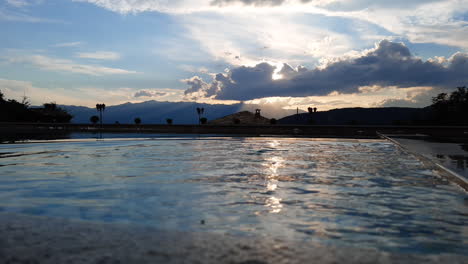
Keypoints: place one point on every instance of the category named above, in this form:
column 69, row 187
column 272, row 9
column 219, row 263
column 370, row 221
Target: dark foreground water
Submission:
column 342, row 192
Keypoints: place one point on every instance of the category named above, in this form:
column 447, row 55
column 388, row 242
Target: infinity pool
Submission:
column 364, row 193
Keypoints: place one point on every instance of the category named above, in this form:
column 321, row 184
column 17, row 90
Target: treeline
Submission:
column 451, row 109
column 447, row 109
column 14, row 111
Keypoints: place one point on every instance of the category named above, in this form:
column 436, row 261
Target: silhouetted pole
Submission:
column 200, row 113
column 100, row 108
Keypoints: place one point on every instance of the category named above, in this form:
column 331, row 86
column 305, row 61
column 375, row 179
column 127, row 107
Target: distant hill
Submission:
column 154, row 112
column 362, row 116
column 243, row 118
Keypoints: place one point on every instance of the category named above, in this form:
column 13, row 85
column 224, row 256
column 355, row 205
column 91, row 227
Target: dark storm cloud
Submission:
column 390, row 64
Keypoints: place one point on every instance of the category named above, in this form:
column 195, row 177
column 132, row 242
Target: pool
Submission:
column 364, row 193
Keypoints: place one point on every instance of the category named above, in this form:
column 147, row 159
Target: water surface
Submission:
column 364, row 193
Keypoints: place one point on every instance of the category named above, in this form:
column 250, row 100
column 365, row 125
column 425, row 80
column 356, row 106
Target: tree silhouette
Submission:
column 273, row 121
column 203, row 120
column 200, row 112
column 311, row 110
column 169, row 121
column 94, row 119
column 14, row 111
column 50, row 106
column 100, row 108
column 137, row 121
column 451, row 109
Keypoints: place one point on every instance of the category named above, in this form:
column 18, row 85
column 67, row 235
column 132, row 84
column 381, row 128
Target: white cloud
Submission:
column 67, row 44
column 14, row 89
column 160, row 94
column 84, row 96
column 99, row 55
column 252, row 38
column 135, row 6
column 18, row 3
column 428, row 22
column 193, row 69
column 15, row 16
column 62, row 65
column 420, row 21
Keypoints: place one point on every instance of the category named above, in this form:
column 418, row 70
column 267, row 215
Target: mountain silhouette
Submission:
column 362, row 116
column 154, row 112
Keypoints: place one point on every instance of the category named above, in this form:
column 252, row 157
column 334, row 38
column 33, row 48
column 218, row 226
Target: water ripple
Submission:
column 342, row 192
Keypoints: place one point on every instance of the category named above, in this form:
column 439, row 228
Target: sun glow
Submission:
column 276, row 74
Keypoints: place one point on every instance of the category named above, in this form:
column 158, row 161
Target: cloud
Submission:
column 441, row 22
column 15, row 16
column 135, row 6
column 148, row 93
column 420, row 21
column 389, row 64
column 347, row 5
column 15, row 89
column 62, row 65
column 18, row 3
column 248, row 2
column 254, row 38
column 18, row 11
column 99, row 55
column 127, row 6
column 67, row 44
column 194, row 69
column 416, row 97
column 399, row 103
column 200, row 89
column 368, row 96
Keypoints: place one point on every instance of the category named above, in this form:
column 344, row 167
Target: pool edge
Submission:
column 444, row 171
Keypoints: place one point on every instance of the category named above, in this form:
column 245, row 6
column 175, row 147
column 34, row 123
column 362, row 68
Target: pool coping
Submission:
column 444, row 171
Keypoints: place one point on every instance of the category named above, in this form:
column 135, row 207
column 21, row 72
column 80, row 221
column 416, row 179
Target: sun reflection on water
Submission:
column 274, row 204
column 272, row 164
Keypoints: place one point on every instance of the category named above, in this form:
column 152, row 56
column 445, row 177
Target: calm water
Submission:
column 343, row 192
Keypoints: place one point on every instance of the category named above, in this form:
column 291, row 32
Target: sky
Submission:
column 291, row 53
